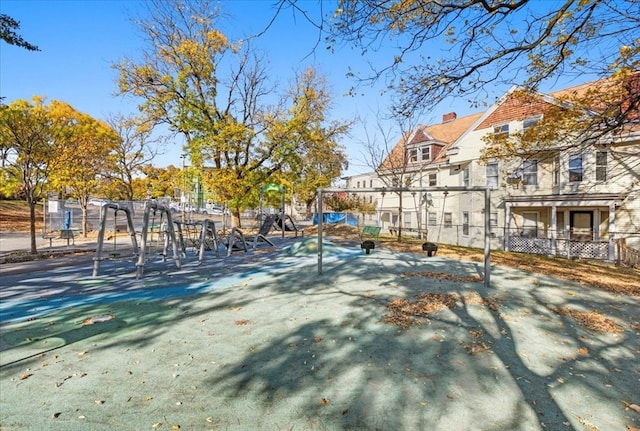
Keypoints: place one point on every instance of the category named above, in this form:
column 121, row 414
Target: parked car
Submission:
column 96, row 202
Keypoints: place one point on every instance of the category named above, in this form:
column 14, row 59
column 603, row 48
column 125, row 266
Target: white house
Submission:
column 568, row 200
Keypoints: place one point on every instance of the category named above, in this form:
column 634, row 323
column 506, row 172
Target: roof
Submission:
column 443, row 134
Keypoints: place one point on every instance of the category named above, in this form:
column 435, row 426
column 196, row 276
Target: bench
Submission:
column 420, row 233
column 62, row 234
column 370, row 233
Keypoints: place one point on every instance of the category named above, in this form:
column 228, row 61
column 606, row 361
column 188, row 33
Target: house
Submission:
column 418, row 159
column 573, row 197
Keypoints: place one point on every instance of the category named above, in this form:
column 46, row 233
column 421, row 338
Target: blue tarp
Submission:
column 337, row 218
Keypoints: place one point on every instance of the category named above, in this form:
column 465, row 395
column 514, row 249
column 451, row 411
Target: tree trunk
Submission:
column 32, row 225
column 84, row 220
column 235, row 218
column 399, row 217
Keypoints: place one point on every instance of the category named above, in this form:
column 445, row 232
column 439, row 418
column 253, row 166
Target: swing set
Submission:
column 156, row 236
column 446, row 190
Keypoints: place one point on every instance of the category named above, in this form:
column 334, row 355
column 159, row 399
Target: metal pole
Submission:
column 320, row 214
column 487, row 238
column 283, row 217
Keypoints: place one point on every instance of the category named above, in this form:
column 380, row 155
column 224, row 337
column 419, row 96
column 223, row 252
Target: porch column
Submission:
column 507, row 225
column 612, row 231
column 554, row 231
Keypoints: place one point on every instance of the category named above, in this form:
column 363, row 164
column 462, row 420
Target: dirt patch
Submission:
column 14, row 216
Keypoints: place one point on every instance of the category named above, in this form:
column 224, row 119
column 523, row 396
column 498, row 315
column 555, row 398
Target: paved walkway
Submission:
column 260, row 341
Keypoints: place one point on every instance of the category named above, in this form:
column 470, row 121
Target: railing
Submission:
column 626, row 255
column 564, row 247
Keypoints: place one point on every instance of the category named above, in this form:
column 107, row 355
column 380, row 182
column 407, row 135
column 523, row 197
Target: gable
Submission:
column 513, row 109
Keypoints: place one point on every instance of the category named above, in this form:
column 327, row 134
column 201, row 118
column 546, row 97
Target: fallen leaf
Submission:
column 99, row 402
column 157, row 425
column 345, row 411
column 324, row 401
column 583, row 351
column 55, row 415
column 25, row 376
column 634, row 407
column 175, row 427
column 98, row 319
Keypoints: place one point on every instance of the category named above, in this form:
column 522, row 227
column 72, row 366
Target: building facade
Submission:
column 568, row 200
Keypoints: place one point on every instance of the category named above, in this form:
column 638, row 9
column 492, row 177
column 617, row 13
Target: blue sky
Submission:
column 80, row 39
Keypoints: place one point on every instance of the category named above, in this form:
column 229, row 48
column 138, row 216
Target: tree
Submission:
column 8, row 26
column 573, row 119
column 466, row 48
column 137, row 148
column 318, row 159
column 84, row 149
column 391, row 160
column 230, row 123
column 25, row 128
column 160, row 182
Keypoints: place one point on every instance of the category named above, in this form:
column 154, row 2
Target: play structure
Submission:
column 163, row 239
column 114, row 253
column 280, row 221
column 157, row 235
column 201, row 235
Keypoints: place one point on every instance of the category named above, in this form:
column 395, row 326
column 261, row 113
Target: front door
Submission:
column 581, row 225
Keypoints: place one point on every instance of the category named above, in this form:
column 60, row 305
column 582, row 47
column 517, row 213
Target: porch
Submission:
column 572, row 226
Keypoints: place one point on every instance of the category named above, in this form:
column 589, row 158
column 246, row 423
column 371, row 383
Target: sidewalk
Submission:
column 16, row 242
column 260, row 341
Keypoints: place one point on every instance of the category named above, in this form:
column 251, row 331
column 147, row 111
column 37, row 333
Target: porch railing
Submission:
column 626, row 255
column 564, row 247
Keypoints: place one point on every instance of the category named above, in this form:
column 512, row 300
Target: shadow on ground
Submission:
column 262, row 341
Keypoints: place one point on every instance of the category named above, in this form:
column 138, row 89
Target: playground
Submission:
column 259, row 340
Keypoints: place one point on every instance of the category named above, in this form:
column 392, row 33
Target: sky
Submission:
column 80, row 40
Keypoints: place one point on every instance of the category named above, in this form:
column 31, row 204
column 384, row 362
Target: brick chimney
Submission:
column 449, row 117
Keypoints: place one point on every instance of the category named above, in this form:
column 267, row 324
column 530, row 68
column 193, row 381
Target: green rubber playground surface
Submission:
column 261, row 341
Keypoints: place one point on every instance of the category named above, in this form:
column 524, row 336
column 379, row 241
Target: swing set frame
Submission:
column 487, row 214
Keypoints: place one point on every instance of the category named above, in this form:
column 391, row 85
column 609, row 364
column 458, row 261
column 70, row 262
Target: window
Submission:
column 358, row 186
column 601, row 166
column 575, row 168
column 413, row 155
column 492, row 175
column 432, row 219
column 556, row 171
column 448, row 221
column 530, row 172
column 433, row 180
column 529, row 123
column 406, row 218
column 370, row 183
column 501, row 130
column 465, row 223
column 425, row 153
column 465, row 177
